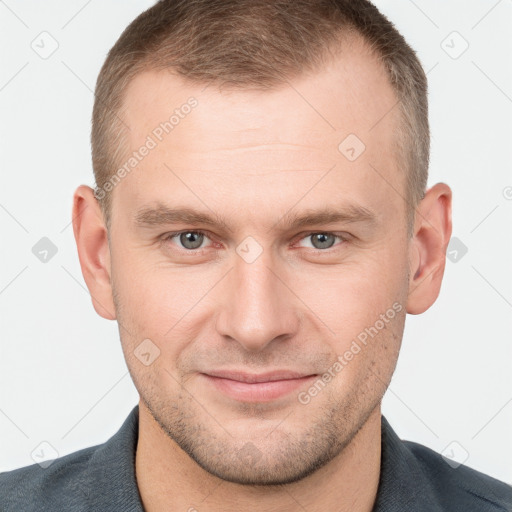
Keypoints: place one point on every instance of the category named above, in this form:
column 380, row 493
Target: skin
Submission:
column 252, row 157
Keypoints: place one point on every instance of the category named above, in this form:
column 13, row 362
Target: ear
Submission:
column 93, row 250
column 427, row 248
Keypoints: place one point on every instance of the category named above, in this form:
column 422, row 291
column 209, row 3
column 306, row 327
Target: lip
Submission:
column 262, row 387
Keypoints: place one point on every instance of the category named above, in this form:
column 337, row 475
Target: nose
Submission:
column 257, row 307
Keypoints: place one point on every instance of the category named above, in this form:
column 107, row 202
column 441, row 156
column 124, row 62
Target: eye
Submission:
column 189, row 240
column 322, row 240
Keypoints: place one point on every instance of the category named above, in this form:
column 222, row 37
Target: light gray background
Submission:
column 63, row 379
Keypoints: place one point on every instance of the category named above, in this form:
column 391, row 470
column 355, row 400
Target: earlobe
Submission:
column 93, row 250
column 432, row 232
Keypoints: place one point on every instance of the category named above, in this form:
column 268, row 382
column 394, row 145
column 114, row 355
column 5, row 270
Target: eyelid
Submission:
column 344, row 237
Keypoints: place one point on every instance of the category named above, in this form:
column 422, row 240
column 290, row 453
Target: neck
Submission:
column 168, row 479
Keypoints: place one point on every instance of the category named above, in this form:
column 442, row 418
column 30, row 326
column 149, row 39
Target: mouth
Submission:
column 263, row 387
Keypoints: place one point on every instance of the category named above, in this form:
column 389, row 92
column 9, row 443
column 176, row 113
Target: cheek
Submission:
column 363, row 305
column 160, row 305
column 350, row 297
column 155, row 296
column 367, row 356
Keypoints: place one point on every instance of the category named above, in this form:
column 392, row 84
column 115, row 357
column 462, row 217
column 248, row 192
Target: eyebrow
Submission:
column 161, row 214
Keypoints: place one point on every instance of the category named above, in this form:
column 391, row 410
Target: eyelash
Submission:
column 169, row 236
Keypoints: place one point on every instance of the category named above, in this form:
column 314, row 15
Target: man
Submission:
column 259, row 230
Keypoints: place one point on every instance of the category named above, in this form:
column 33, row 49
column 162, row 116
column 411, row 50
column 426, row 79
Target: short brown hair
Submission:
column 257, row 44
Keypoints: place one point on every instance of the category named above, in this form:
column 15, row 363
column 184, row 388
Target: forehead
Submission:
column 351, row 91
column 236, row 140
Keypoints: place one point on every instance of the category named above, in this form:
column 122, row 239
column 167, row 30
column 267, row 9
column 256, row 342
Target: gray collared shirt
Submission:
column 101, row 478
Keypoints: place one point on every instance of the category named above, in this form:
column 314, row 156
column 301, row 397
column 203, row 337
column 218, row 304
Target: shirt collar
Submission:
column 403, row 486
column 111, row 483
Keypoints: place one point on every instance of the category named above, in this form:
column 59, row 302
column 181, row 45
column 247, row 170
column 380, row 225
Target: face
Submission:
column 253, row 290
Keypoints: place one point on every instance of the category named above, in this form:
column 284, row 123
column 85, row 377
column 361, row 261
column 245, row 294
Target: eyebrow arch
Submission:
column 350, row 213
column 161, row 215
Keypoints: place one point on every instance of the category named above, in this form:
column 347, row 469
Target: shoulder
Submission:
column 461, row 486
column 57, row 486
column 415, row 477
column 100, row 477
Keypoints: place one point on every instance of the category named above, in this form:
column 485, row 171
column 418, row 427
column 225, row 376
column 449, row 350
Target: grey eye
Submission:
column 191, row 239
column 322, row 240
